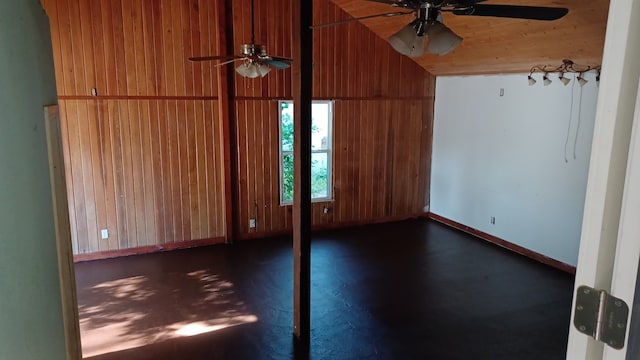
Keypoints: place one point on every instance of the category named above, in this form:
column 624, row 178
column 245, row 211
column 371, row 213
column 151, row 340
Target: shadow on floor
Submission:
column 407, row 290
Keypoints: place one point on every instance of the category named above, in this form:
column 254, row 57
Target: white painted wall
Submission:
column 512, row 157
column 31, row 324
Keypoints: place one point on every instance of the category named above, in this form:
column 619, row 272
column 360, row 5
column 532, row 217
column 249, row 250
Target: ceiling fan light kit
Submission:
column 252, row 70
column 567, row 66
column 441, row 39
column 428, row 24
column 409, row 40
column 256, row 62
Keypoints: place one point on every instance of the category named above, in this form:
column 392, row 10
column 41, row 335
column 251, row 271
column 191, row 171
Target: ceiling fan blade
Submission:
column 514, row 11
column 230, row 61
column 278, row 58
column 392, row 2
column 462, row 3
column 217, row 57
column 277, row 63
column 361, row 18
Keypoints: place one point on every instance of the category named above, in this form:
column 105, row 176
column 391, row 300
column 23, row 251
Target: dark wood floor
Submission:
column 407, row 290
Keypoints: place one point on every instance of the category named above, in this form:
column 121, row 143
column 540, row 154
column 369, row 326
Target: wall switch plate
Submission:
column 104, row 233
column 252, row 223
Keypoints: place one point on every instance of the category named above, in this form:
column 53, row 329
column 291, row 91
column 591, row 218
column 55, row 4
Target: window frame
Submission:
column 328, row 151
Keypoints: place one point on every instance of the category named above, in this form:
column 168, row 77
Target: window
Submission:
column 321, row 142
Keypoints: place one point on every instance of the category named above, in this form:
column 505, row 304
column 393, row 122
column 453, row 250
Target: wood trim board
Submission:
column 68, row 294
column 147, row 249
column 504, row 243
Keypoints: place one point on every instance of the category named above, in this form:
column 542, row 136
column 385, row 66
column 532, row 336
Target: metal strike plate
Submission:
column 601, row 316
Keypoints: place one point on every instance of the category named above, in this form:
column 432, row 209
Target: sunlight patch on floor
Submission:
column 114, row 337
column 133, row 312
column 203, row 327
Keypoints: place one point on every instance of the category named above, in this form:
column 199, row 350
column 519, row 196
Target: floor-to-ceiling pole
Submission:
column 302, row 84
column 227, row 121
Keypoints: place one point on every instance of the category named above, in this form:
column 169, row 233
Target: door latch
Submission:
column 601, row 316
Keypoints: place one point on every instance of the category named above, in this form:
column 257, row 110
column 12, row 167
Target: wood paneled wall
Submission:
column 145, row 157
column 381, row 163
column 133, row 48
column 272, row 29
column 146, row 170
column 383, row 116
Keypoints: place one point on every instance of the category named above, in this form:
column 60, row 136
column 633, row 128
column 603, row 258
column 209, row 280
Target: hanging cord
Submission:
column 566, row 142
column 575, row 141
column 253, row 40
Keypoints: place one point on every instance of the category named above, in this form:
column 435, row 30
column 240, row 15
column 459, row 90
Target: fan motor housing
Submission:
column 253, row 50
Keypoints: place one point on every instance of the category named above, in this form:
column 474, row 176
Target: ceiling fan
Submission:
column 256, row 61
column 428, row 22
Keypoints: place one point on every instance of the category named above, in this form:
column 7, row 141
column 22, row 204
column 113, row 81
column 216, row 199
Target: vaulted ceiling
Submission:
column 499, row 45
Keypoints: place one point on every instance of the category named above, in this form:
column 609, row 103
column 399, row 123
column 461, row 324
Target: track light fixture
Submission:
column 567, row 66
column 565, row 80
column 581, row 80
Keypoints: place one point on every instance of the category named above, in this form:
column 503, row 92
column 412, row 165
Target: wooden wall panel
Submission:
column 145, row 156
column 352, row 62
column 381, row 162
column 149, row 180
column 383, row 116
column 258, row 173
column 133, row 48
column 272, row 29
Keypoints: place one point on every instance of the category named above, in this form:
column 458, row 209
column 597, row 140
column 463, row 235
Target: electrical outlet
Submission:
column 252, row 223
column 325, row 210
column 493, row 220
column 104, row 233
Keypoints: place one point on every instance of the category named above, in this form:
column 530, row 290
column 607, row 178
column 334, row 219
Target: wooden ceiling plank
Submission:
column 499, row 45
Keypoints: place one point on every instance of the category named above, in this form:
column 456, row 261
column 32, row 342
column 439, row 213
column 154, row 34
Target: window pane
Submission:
column 286, row 130
column 287, row 177
column 320, row 126
column 321, row 143
column 319, row 175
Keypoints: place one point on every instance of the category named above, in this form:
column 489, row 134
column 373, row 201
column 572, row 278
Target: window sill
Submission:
column 315, row 201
